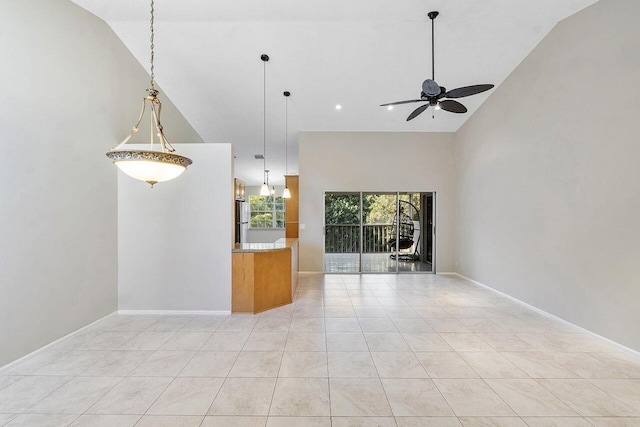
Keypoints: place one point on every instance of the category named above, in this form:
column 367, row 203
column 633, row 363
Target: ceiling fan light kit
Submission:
column 433, row 94
column 151, row 166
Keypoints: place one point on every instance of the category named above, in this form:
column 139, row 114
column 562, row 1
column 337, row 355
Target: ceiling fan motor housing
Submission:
column 430, row 88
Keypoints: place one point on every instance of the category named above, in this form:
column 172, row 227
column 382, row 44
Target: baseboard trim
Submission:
column 447, row 273
column 345, row 273
column 551, row 316
column 176, row 312
column 34, row 353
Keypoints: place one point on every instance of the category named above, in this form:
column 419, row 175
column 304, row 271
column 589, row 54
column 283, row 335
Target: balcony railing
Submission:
column 345, row 238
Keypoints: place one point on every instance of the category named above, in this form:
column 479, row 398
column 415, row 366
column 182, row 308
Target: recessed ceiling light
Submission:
column 338, row 107
column 390, row 107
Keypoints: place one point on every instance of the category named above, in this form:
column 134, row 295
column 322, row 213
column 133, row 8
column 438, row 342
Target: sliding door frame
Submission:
column 397, row 193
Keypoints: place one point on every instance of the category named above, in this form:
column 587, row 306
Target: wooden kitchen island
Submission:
column 265, row 275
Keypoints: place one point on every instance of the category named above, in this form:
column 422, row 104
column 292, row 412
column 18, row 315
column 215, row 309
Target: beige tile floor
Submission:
column 370, row 350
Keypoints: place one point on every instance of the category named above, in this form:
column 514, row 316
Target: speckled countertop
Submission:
column 278, row 245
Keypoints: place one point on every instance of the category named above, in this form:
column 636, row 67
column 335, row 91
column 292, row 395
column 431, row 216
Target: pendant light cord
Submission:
column 264, row 118
column 286, row 135
column 153, row 79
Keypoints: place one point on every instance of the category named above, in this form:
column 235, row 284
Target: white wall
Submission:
column 175, row 240
column 70, row 91
column 256, row 235
column 375, row 161
column 549, row 200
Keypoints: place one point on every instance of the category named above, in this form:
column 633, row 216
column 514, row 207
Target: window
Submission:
column 266, row 211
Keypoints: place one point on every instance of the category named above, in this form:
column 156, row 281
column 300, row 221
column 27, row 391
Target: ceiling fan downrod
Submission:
column 433, row 15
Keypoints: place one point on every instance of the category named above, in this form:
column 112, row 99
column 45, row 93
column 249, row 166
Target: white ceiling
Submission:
column 357, row 53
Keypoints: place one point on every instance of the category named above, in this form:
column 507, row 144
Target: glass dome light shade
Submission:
column 150, row 166
column 286, row 194
column 264, row 190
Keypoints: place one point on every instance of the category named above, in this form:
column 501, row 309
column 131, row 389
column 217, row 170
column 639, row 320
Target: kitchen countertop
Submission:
column 278, row 245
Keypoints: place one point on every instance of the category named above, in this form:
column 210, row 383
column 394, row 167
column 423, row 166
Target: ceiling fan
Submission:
column 433, row 94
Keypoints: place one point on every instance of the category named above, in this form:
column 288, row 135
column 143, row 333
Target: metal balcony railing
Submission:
column 345, row 238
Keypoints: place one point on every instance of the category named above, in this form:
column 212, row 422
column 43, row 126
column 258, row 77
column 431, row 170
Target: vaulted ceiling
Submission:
column 356, row 53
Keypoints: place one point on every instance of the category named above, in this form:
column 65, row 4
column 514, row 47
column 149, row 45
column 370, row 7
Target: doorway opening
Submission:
column 379, row 232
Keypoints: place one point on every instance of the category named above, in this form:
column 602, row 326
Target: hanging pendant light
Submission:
column 264, row 189
column 151, row 166
column 270, row 189
column 286, row 193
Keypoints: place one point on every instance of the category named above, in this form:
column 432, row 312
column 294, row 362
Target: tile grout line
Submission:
column 275, row 386
column 79, row 374
column 474, row 370
column 154, row 351
column 178, row 374
column 425, row 369
column 326, row 356
column 378, row 372
column 227, row 375
column 230, row 369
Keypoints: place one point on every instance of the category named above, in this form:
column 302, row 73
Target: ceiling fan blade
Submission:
column 452, row 106
column 461, row 92
column 417, row 112
column 402, row 102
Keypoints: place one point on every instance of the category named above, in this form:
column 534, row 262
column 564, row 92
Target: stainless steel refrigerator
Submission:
column 241, row 221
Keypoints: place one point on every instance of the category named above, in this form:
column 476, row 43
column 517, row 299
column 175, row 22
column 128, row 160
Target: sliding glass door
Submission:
column 378, row 225
column 342, row 232
column 379, row 232
column 414, row 231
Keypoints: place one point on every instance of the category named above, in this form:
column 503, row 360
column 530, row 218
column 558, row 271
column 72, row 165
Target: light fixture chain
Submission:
column 153, row 76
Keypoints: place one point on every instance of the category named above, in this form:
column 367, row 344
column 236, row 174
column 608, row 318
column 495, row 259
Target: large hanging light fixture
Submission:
column 264, row 189
column 286, row 193
column 151, row 166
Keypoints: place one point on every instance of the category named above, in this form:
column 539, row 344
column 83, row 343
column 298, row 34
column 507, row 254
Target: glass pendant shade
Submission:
column 149, row 166
column 286, row 194
column 264, row 190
